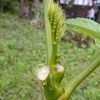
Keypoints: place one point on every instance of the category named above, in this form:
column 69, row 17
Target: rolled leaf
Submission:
column 47, row 30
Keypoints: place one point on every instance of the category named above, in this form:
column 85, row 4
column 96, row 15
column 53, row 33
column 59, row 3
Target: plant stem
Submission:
column 53, row 56
column 72, row 84
column 51, row 92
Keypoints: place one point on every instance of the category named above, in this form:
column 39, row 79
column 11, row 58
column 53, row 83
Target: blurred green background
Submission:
column 23, row 47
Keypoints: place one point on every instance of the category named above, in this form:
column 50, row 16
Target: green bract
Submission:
column 56, row 20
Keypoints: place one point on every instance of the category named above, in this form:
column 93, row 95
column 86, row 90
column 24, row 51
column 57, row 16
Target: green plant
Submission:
column 51, row 75
column 8, row 6
column 18, row 61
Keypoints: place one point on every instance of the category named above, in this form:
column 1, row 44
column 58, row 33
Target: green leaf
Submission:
column 86, row 25
column 97, row 41
column 47, row 30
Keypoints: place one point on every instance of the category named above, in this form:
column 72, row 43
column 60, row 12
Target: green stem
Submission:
column 51, row 92
column 71, row 85
column 53, row 56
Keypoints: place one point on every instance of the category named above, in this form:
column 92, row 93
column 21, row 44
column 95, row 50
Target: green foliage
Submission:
column 39, row 10
column 19, row 50
column 57, row 27
column 86, row 26
column 22, row 47
column 53, row 30
column 97, row 41
column 9, row 6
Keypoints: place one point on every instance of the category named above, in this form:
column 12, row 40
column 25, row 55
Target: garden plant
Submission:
column 51, row 74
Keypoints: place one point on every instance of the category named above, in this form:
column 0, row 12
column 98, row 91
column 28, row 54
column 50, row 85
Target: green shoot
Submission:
column 51, row 77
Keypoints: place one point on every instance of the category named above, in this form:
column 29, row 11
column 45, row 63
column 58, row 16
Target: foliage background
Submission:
column 23, row 47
